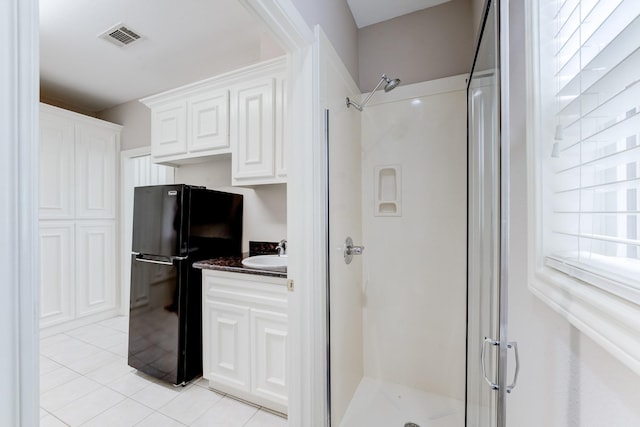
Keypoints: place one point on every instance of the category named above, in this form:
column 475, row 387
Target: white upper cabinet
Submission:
column 208, row 129
column 258, row 132
column 254, row 131
column 281, row 129
column 241, row 112
column 188, row 127
column 169, row 129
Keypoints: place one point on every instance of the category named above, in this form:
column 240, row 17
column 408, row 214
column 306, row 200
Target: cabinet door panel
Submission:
column 169, row 129
column 95, row 273
column 269, row 367
column 281, row 130
column 56, row 272
column 254, row 131
column 96, row 167
column 209, row 122
column 226, row 341
column 56, row 167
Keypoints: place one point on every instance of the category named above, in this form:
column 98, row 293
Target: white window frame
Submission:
column 610, row 320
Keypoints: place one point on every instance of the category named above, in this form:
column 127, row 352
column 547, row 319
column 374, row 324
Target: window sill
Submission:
column 612, row 322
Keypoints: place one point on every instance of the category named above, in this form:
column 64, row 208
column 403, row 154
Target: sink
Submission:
column 266, row 262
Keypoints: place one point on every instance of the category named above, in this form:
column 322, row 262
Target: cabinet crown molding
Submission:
column 230, row 78
column 77, row 117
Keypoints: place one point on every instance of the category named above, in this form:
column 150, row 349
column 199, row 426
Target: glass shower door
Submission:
column 487, row 231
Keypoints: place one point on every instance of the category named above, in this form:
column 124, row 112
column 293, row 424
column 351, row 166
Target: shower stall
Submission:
column 397, row 189
column 416, row 231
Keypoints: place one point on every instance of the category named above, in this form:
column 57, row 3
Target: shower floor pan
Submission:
column 381, row 404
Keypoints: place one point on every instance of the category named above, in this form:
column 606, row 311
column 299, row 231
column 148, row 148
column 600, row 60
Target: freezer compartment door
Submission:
column 159, row 226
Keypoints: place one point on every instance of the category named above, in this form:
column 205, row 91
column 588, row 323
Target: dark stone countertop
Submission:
column 234, row 264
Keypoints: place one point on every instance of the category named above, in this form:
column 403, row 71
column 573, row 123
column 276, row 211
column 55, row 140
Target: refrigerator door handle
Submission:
column 153, row 261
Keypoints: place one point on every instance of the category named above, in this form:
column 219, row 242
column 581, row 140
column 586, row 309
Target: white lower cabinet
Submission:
column 226, row 354
column 269, row 347
column 245, row 336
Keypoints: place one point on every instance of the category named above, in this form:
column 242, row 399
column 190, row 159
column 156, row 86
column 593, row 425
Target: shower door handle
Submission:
column 514, row 345
column 494, row 343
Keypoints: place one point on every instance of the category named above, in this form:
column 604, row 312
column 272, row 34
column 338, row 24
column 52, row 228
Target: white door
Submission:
column 96, row 267
column 96, row 172
column 57, row 160
column 57, row 272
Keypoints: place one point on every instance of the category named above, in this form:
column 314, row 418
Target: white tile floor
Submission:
column 85, row 381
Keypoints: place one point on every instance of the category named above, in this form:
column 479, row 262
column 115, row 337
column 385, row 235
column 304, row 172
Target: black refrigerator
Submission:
column 173, row 227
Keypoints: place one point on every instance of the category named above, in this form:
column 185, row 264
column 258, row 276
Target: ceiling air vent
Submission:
column 120, row 35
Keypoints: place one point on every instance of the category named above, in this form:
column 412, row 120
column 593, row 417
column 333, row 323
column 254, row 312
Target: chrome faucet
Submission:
column 282, row 247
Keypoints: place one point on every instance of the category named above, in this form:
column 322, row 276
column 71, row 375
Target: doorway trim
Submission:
column 19, row 306
column 305, row 222
column 305, row 212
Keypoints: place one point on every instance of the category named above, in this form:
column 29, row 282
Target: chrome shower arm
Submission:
column 391, row 84
column 359, row 107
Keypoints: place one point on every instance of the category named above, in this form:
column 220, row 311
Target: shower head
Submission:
column 391, row 84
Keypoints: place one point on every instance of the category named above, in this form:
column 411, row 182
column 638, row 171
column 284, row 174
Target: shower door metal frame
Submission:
column 501, row 341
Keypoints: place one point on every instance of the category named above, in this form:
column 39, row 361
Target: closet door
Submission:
column 56, row 167
column 56, row 272
column 96, row 267
column 96, row 172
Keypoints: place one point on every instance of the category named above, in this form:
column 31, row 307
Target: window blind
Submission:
column 595, row 161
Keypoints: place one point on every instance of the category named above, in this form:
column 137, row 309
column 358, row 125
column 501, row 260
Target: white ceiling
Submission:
column 368, row 12
column 184, row 41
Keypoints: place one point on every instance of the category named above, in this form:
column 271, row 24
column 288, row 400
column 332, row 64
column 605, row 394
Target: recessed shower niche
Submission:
column 388, row 190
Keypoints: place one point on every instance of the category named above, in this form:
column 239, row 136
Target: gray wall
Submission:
column 566, row 379
column 335, row 18
column 425, row 45
column 136, row 119
column 477, row 9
